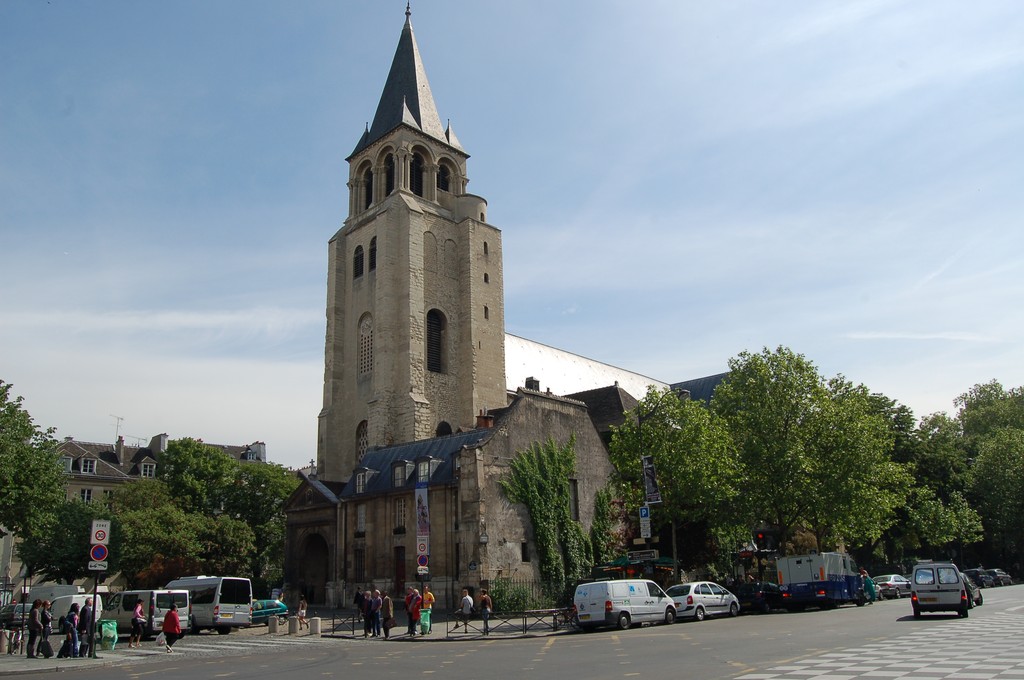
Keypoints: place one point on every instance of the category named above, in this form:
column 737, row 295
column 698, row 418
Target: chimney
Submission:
column 484, row 420
column 119, row 449
column 533, row 384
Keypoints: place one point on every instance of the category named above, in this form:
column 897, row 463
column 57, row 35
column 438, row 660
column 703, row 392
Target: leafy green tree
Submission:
column 997, row 484
column 31, row 477
column 158, row 543
column 61, row 554
column 198, row 476
column 987, row 408
column 227, row 544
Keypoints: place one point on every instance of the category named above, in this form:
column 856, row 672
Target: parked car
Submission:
column 1000, row 577
column 262, row 610
column 700, row 599
column 621, row 603
column 12, row 614
column 979, row 577
column 891, row 586
column 760, row 596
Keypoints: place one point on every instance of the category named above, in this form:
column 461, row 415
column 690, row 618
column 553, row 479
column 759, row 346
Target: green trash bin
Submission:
column 108, row 634
column 424, row 621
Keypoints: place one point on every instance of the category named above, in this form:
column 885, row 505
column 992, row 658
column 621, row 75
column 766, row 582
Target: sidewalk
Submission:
column 19, row 664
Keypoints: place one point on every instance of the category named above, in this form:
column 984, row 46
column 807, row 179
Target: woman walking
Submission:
column 172, row 627
column 35, row 628
column 138, row 626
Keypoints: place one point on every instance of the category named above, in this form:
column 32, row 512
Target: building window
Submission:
column 524, row 552
column 400, row 513
column 398, row 476
column 574, row 499
column 360, row 482
column 367, row 188
column 357, row 263
column 108, row 498
column 366, row 345
column 485, row 247
column 423, row 471
column 67, row 463
column 361, row 518
column 362, row 440
column 444, row 178
column 416, row 174
column 487, row 279
column 88, row 466
column 435, row 341
column 389, row 174
column 487, row 312
column 359, row 564
column 149, row 470
column 85, row 495
column 373, row 254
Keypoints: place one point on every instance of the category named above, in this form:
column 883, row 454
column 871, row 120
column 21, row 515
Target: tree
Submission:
column 997, row 484
column 62, row 552
column 198, row 476
column 31, row 476
column 987, row 408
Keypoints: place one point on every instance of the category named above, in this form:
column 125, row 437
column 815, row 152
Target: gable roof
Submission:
column 701, row 388
column 406, row 98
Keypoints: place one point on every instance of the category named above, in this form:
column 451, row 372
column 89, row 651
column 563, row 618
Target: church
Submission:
column 426, row 398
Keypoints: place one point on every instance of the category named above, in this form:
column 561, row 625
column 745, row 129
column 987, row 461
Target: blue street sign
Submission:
column 645, row 512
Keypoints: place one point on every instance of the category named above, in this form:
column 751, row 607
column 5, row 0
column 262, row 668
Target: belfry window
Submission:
column 416, row 174
column 366, row 345
column 436, row 341
column 373, row 253
column 357, row 263
column 362, row 440
column 367, row 188
column 389, row 174
column 444, row 178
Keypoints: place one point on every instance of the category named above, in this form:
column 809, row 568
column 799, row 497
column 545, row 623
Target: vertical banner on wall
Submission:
column 422, row 520
column 650, row 481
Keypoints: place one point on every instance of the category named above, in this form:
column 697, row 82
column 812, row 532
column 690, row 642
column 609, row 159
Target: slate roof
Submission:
column 441, row 450
column 701, row 388
column 607, row 406
column 406, row 99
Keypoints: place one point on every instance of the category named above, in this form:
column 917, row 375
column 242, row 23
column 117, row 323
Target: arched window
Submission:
column 443, row 429
column 362, row 440
column 485, row 247
column 373, row 253
column 389, row 174
column 357, row 263
column 367, row 188
column 444, row 178
column 487, row 312
column 416, row 174
column 366, row 345
column 436, row 360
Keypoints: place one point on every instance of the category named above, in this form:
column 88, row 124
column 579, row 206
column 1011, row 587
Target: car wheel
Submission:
column 623, row 621
column 898, row 594
column 917, row 613
column 981, row 599
column 734, row 609
column 670, row 615
column 223, row 630
column 765, row 607
column 963, row 613
column 698, row 615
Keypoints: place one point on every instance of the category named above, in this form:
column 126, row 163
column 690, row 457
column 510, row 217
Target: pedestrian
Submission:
column 428, row 604
column 413, row 602
column 138, row 626
column 485, row 610
column 84, row 622
column 172, row 627
column 869, row 585
column 367, row 619
column 376, row 603
column 35, row 628
column 464, row 610
column 302, row 613
column 387, row 609
column 70, row 647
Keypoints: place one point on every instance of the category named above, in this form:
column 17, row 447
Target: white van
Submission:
column 60, row 606
column 622, row 603
column 938, row 587
column 155, row 605
column 218, row 602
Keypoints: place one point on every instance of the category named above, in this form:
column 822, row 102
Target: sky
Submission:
column 676, row 182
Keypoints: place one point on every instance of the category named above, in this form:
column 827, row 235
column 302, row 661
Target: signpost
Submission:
column 98, row 555
column 642, row 555
column 645, row 521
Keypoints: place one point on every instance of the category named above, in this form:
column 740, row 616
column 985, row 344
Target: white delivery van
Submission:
column 61, row 605
column 218, row 602
column 938, row 587
column 622, row 603
column 155, row 605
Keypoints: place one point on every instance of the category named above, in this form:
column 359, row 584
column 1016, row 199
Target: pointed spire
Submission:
column 406, row 93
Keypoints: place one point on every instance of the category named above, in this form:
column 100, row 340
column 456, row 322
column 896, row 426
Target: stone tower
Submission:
column 415, row 303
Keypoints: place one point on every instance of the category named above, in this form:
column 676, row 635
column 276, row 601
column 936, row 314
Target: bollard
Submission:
column 293, row 625
column 3, row 640
column 314, row 626
column 272, row 623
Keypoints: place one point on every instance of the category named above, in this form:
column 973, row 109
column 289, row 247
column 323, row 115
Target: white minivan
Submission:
column 622, row 603
column 155, row 605
column 218, row 602
column 938, row 587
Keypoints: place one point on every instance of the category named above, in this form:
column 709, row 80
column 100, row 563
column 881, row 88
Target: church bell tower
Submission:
column 415, row 303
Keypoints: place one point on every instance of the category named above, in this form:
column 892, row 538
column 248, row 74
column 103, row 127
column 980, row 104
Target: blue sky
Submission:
column 676, row 182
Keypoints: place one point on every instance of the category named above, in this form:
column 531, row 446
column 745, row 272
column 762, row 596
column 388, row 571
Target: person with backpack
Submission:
column 69, row 629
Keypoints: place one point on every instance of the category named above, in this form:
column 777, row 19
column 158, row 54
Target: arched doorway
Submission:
column 313, row 566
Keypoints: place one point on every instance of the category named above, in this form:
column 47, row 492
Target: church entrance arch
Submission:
column 313, row 569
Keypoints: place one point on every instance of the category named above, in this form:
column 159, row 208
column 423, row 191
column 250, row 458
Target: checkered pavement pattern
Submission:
column 976, row 649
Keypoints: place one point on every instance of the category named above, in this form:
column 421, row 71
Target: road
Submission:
column 881, row 640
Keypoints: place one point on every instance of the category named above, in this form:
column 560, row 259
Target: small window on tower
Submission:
column 367, row 188
column 436, row 359
column 366, row 345
column 362, row 440
column 357, row 263
column 416, row 174
column 485, row 247
column 487, row 279
column 373, row 253
column 487, row 312
column 444, row 178
column 389, row 174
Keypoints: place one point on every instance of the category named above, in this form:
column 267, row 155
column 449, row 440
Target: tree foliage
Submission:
column 32, row 479
column 61, row 553
column 198, row 476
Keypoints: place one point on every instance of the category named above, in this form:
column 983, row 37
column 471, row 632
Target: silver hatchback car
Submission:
column 700, row 599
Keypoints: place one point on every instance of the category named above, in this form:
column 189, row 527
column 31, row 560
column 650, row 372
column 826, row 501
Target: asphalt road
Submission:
column 881, row 640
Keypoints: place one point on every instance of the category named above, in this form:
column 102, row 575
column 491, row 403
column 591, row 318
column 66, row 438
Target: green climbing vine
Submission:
column 602, row 530
column 539, row 479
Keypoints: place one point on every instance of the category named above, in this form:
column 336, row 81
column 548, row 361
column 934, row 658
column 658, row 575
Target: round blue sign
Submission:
column 98, row 553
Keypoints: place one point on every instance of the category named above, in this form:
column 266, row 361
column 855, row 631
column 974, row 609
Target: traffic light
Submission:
column 759, row 540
